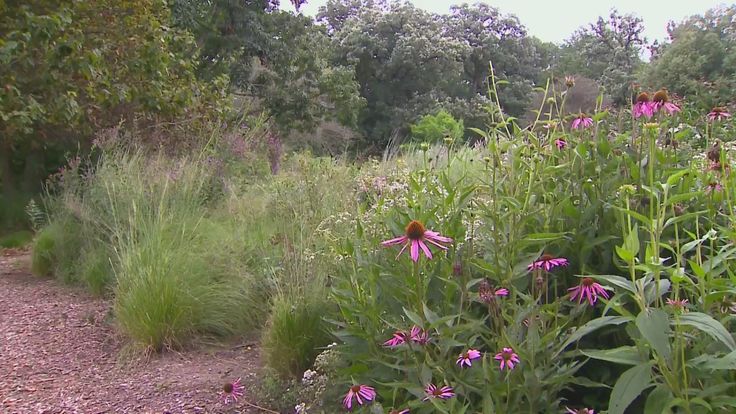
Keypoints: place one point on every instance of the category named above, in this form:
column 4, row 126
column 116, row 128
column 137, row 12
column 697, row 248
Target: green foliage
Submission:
column 296, row 333
column 699, row 60
column 16, row 239
column 435, row 128
column 42, row 260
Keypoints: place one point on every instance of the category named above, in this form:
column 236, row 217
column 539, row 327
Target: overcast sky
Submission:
column 555, row 20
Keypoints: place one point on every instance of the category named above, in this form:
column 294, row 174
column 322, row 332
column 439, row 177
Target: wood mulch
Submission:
column 60, row 354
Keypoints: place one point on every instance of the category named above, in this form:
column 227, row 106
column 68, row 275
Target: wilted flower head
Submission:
column 508, row 359
column 582, row 121
column 488, row 294
column 569, row 81
column 547, row 262
column 713, row 187
column 589, row 289
column 678, row 304
column 442, row 393
column 232, row 390
column 360, row 393
column 718, row 113
column 417, row 236
column 662, row 100
column 466, row 358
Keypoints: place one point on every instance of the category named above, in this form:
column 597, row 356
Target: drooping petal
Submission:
column 395, row 241
column 425, row 249
column 415, row 250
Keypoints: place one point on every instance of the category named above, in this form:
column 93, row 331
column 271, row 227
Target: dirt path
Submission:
column 59, row 354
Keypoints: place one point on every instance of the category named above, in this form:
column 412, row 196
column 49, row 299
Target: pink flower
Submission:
column 582, row 121
column 661, row 100
column 417, row 236
column 718, row 113
column 713, row 187
column 232, row 390
column 587, row 288
column 508, row 359
column 466, row 357
column 548, row 262
column 487, row 294
column 678, row 304
column 580, row 411
column 560, row 143
column 397, row 339
column 643, row 107
column 418, row 335
column 360, row 393
column 443, row 393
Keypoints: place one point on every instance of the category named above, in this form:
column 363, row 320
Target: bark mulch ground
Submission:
column 60, row 354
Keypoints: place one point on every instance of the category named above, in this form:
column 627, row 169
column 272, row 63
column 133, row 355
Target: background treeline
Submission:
column 352, row 81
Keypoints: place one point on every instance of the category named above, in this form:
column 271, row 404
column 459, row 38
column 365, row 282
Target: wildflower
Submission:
column 560, row 143
column 714, row 153
column 359, row 393
column 582, row 121
column 418, row 236
column 587, row 288
column 547, row 262
column 718, row 113
column 678, row 304
column 418, row 335
column 661, row 100
column 508, row 359
column 397, row 339
column 300, row 408
column 232, row 390
column 718, row 167
column 643, row 107
column 717, row 187
column 487, row 294
column 579, row 411
column 569, row 81
column 466, row 357
column 443, row 393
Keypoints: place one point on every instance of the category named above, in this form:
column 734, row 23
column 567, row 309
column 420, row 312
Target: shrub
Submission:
column 295, row 333
column 42, row 257
column 16, row 239
column 434, row 128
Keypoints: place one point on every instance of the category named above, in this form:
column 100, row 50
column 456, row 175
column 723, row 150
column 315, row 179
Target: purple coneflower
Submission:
column 232, row 390
column 678, row 304
column 643, row 107
column 487, row 294
column 418, row 335
column 717, row 187
column 508, row 359
column 560, row 143
column 547, row 262
column 433, row 391
column 396, row 339
column 588, row 288
column 579, row 411
column 360, row 393
column 662, row 100
column 582, row 121
column 467, row 357
column 418, row 236
column 718, row 113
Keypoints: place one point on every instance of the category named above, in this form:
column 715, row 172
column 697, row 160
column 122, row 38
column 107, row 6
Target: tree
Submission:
column 699, row 61
column 274, row 58
column 607, row 51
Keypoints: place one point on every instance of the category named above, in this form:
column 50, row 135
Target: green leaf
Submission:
column 414, row 317
column 710, row 326
column 627, row 355
column 727, row 362
column 591, row 326
column 631, row 383
column 616, row 281
column 658, row 400
column 654, row 326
